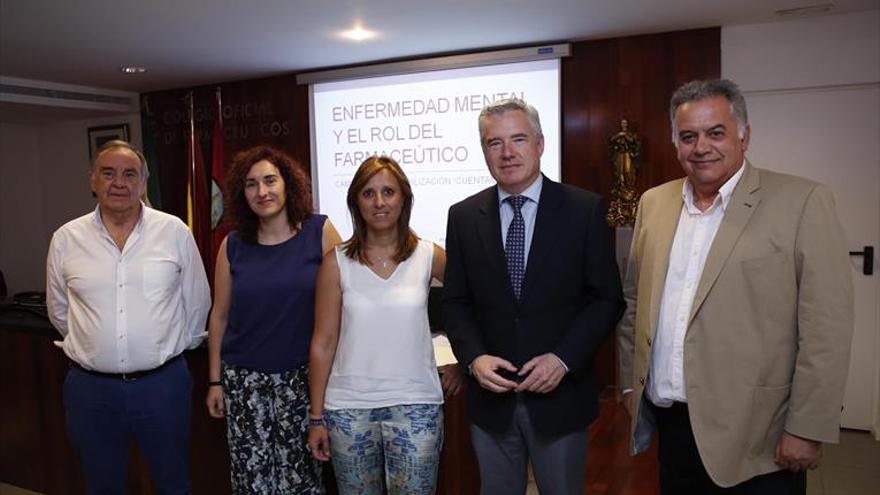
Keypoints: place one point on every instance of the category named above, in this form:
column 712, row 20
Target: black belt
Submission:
column 128, row 377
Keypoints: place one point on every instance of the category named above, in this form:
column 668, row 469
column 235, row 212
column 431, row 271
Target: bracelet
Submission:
column 215, row 384
column 319, row 421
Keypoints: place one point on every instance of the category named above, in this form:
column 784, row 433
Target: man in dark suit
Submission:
column 531, row 291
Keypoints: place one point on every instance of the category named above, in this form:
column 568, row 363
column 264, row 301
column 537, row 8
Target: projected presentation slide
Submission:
column 427, row 122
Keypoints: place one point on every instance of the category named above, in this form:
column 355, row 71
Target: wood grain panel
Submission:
column 629, row 78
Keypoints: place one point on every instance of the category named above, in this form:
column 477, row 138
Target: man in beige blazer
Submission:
column 736, row 338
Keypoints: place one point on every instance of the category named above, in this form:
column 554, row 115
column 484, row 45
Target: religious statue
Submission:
column 625, row 153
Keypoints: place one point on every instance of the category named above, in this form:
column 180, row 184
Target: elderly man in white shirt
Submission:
column 127, row 290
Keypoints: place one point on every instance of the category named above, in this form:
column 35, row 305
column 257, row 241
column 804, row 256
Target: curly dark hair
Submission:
column 297, row 190
column 356, row 247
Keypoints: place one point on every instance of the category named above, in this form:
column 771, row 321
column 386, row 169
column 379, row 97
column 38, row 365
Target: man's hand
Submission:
column 214, row 401
column 543, row 374
column 797, row 454
column 450, row 379
column 483, row 369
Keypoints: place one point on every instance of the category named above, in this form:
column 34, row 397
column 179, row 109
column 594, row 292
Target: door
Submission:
column 831, row 135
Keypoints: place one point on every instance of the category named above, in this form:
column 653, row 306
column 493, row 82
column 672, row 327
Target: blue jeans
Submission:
column 396, row 448
column 103, row 413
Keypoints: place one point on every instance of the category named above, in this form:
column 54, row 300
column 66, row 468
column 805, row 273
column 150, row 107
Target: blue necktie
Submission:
column 515, row 247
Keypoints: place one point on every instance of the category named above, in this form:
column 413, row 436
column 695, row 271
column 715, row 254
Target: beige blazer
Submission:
column 768, row 342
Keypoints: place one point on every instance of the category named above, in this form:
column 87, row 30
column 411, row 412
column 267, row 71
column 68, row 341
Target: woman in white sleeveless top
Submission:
column 376, row 396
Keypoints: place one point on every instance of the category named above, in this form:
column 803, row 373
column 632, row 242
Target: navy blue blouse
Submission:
column 272, row 312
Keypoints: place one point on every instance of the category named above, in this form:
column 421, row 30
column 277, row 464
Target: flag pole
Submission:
column 191, row 174
column 192, row 136
column 219, row 93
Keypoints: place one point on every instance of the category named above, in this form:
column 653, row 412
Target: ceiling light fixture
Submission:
column 806, row 10
column 358, row 33
column 132, row 69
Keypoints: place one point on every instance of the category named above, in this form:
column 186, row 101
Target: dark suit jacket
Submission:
column 571, row 300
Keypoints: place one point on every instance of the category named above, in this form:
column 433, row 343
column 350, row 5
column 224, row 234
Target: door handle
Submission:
column 868, row 259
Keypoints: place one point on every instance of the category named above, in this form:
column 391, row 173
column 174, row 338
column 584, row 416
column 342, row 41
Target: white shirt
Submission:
column 529, row 211
column 384, row 356
column 121, row 312
column 693, row 239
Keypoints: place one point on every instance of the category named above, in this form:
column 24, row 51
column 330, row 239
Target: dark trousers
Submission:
column 682, row 471
column 103, row 413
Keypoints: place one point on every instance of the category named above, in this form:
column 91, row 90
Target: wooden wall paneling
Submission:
column 50, row 369
column 585, row 105
column 34, row 451
column 458, row 471
column 21, row 411
column 209, row 459
column 605, row 81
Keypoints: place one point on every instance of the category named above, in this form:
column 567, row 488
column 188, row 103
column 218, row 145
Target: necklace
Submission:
column 377, row 260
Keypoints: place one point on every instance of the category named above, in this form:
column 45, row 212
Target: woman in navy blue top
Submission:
column 262, row 321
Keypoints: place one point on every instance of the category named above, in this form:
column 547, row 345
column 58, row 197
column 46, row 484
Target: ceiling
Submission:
column 193, row 42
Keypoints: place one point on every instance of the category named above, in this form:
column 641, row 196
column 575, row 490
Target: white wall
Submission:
column 818, row 51
column 813, row 90
column 21, row 206
column 43, row 184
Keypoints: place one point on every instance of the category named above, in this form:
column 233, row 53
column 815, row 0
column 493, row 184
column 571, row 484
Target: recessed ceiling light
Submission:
column 806, row 10
column 358, row 33
column 133, row 69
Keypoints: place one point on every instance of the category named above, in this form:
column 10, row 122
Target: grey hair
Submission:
column 118, row 143
column 700, row 90
column 509, row 104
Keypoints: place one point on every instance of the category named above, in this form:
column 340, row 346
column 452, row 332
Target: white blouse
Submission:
column 384, row 356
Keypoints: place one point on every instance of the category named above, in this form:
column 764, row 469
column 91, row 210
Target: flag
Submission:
column 196, row 190
column 219, row 225
column 148, row 137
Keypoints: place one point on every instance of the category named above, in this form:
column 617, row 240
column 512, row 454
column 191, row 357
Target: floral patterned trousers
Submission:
column 393, row 448
column 267, row 429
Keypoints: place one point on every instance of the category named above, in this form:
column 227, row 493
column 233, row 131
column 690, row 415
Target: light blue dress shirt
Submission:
column 529, row 212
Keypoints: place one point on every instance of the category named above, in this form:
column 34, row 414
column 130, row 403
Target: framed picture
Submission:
column 102, row 134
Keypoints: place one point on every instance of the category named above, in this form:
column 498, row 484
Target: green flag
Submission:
column 148, row 136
